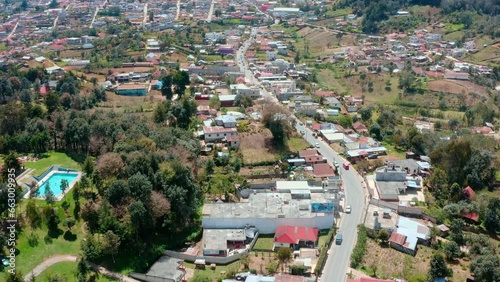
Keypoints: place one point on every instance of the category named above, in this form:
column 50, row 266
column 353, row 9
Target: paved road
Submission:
column 13, row 30
column 211, row 11
column 146, row 16
column 178, row 12
column 95, row 15
column 338, row 260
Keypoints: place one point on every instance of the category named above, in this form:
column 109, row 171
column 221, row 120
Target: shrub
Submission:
column 271, row 268
column 360, row 248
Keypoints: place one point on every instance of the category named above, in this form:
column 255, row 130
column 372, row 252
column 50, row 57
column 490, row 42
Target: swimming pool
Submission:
column 54, row 181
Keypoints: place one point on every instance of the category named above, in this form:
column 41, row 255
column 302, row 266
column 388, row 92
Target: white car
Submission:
column 316, row 145
column 348, row 209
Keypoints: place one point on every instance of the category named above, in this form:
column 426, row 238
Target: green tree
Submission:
column 284, row 255
column 214, row 102
column 486, row 268
column 166, row 87
column 15, row 277
column 366, row 113
column 33, row 215
column 64, row 185
column 492, row 217
column 383, row 236
column 53, row 4
column 111, row 244
column 10, row 163
column 117, row 192
column 451, row 250
column 49, row 195
column 456, row 231
column 91, row 248
column 69, row 223
column 180, row 80
column 140, row 187
column 438, row 268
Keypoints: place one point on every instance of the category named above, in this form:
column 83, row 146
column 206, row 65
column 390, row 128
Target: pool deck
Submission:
column 46, row 177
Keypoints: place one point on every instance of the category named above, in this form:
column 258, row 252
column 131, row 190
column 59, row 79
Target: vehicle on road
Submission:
column 348, row 209
column 316, row 145
column 302, row 132
column 346, row 166
column 338, row 239
column 336, row 164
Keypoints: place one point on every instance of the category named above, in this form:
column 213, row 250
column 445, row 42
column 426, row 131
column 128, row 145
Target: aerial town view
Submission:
column 255, row 141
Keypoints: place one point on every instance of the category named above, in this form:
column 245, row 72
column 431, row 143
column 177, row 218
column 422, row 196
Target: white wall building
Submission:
column 267, row 211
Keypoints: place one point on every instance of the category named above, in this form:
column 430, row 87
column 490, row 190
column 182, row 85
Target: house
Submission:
column 220, row 242
column 227, row 121
column 217, row 133
column 408, row 233
column 323, row 170
column 311, row 156
column 359, row 128
column 55, row 70
column 483, row 130
column 295, row 237
column 233, row 142
column 456, row 75
column 333, row 102
column 132, row 90
column 242, row 89
column 468, row 193
column 390, row 182
column 227, row 100
column 164, row 269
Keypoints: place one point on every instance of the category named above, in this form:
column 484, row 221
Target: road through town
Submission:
column 339, row 255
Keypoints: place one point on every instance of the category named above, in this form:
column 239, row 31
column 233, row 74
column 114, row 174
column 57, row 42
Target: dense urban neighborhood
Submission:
column 256, row 141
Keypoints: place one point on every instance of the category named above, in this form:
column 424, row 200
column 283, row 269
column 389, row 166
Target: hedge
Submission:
column 360, row 248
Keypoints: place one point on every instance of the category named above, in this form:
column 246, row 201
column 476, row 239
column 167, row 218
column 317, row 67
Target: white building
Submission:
column 242, row 89
column 214, row 133
column 267, row 211
column 281, row 12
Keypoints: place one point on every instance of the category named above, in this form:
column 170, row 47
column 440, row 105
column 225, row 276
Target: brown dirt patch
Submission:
column 257, row 147
column 456, row 87
column 260, row 260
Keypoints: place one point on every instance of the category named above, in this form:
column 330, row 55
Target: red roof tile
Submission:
column 323, row 170
column 294, row 234
column 469, row 192
column 397, row 238
column 308, row 153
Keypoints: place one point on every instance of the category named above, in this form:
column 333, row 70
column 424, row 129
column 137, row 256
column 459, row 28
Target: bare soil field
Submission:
column 390, row 263
column 457, row 87
column 257, row 147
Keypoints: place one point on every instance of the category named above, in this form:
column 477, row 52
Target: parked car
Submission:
column 338, row 239
column 348, row 209
column 372, row 156
column 316, row 145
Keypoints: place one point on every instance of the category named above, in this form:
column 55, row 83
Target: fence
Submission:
column 210, row 259
column 403, row 210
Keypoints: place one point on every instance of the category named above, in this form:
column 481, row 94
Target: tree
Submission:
column 91, row 248
column 284, row 255
column 486, row 268
column 111, row 244
column 455, row 192
column 140, row 187
column 366, row 113
column 451, row 250
column 438, row 268
column 10, row 163
column 166, row 87
column 70, row 222
column 209, row 166
column 180, row 80
column 49, row 195
column 492, row 217
column 14, row 277
column 214, row 102
column 151, row 16
column 24, row 5
column 33, row 215
column 109, row 165
column 117, row 192
column 88, row 166
column 383, row 236
column 376, row 131
column 456, row 231
column 276, row 119
column 64, row 185
column 160, row 206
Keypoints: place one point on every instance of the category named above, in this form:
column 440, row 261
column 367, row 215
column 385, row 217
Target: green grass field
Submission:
column 296, row 144
column 28, row 256
column 323, row 236
column 264, row 242
column 214, row 275
column 68, row 271
column 53, row 158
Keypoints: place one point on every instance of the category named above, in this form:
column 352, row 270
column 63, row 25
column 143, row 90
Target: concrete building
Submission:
column 226, row 121
column 220, row 242
column 132, row 90
column 242, row 89
column 267, row 211
column 166, row 269
column 283, row 12
column 218, row 133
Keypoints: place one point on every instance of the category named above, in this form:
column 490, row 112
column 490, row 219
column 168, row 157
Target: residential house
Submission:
column 227, row 100
column 220, row 242
column 456, row 75
column 295, row 237
column 359, row 128
column 323, row 170
column 483, row 130
column 242, row 89
column 226, row 121
column 468, row 193
column 333, row 102
column 408, row 233
column 233, row 141
column 218, row 133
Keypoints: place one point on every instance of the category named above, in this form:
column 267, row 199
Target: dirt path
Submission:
column 72, row 258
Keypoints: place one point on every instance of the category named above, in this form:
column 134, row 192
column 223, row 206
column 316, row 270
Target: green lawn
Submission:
column 323, row 237
column 214, row 275
column 28, row 257
column 296, row 144
column 53, row 158
column 391, row 150
column 67, row 270
column 264, row 242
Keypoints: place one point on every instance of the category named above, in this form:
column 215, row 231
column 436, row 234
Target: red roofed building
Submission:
column 308, row 153
column 472, row 217
column 359, row 127
column 324, row 93
column 44, row 90
column 468, row 193
column 295, row 237
column 323, row 170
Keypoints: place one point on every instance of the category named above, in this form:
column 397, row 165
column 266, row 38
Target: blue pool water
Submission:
column 55, row 182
